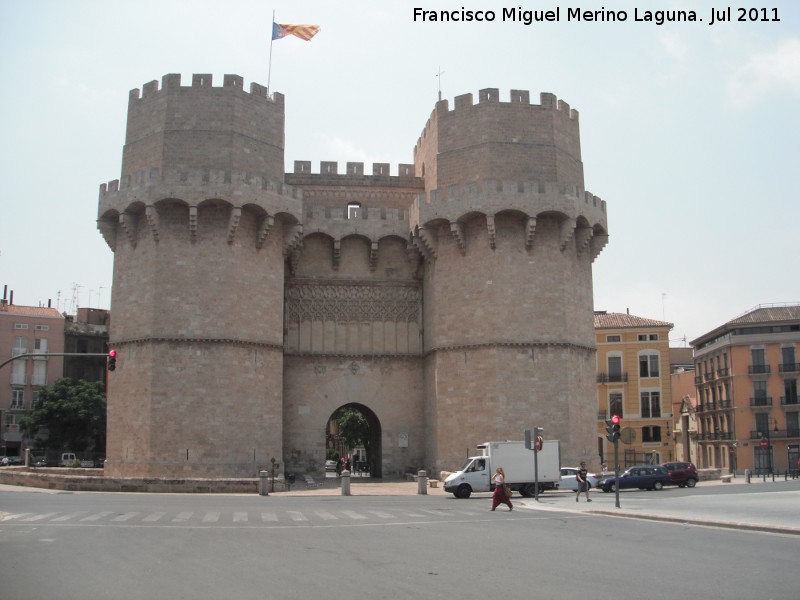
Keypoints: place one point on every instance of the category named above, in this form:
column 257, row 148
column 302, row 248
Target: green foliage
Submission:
column 73, row 415
column 353, row 428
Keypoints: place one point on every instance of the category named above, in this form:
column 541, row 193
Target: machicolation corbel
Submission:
column 151, row 213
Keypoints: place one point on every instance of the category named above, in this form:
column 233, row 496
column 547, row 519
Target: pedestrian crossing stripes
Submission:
column 240, row 517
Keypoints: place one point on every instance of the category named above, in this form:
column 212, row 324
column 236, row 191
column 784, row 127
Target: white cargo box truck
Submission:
column 517, row 462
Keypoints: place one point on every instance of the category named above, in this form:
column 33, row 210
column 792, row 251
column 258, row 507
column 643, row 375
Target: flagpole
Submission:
column 271, row 40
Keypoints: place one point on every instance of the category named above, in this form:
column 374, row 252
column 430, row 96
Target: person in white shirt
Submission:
column 499, row 494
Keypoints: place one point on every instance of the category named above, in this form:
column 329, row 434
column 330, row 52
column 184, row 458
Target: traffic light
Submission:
column 111, row 360
column 528, row 443
column 612, row 428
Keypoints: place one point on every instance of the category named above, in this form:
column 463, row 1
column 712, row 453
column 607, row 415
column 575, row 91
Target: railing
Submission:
column 759, row 369
column 764, row 401
column 698, row 379
column 775, row 434
column 718, row 436
column 790, row 400
column 789, row 367
column 612, row 378
column 708, row 376
column 723, row 372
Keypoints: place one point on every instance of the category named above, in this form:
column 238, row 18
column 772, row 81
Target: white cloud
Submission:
column 767, row 73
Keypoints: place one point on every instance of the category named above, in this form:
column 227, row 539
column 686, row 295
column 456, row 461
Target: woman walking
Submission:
column 500, row 490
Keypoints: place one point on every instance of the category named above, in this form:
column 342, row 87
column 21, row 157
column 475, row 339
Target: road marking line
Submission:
column 38, row 517
column 69, row 516
column 152, row 518
column 353, row 514
column 182, row 517
column 124, row 517
column 240, row 517
column 97, row 516
column 211, row 517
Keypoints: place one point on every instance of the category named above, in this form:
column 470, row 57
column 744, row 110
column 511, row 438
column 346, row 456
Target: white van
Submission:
column 67, row 459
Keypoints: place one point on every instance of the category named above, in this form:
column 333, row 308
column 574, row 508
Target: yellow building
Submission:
column 633, row 381
column 746, row 374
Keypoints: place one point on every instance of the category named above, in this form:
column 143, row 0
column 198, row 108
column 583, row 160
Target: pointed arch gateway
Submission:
column 371, row 447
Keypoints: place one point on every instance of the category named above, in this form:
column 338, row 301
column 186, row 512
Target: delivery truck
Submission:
column 517, row 462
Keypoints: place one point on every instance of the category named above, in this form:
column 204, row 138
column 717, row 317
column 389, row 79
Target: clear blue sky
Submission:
column 689, row 130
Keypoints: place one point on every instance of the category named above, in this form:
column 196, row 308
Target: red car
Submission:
column 682, row 474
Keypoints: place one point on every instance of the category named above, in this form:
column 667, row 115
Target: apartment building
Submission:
column 26, row 330
column 633, row 382
column 746, row 374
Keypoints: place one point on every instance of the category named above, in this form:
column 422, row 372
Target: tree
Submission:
column 353, row 428
column 73, row 415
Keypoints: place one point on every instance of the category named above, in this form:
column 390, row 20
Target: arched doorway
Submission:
column 353, row 430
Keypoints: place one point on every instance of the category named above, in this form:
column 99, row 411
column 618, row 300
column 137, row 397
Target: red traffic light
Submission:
column 112, row 354
column 111, row 360
column 616, row 419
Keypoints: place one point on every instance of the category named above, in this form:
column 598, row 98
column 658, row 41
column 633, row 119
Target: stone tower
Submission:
column 199, row 223
column 450, row 303
column 508, row 235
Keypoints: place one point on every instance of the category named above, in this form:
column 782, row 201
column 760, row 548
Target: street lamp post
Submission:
column 770, row 421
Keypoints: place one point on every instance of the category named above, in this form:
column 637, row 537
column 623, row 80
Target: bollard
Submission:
column 27, row 457
column 263, row 476
column 422, row 482
column 345, row 479
column 747, row 475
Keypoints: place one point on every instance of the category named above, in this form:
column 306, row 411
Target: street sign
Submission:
column 764, row 443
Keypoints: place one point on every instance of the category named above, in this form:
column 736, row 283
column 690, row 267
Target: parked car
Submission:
column 569, row 481
column 683, row 474
column 643, row 477
column 68, row 459
column 38, row 461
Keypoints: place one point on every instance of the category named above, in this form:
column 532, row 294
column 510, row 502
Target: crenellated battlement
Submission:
column 154, row 184
column 490, row 97
column 373, row 223
column 491, row 196
column 354, row 174
column 204, row 81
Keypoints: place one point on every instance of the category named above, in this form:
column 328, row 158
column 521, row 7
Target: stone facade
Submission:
column 451, row 303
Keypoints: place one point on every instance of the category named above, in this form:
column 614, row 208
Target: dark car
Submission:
column 683, row 474
column 643, row 477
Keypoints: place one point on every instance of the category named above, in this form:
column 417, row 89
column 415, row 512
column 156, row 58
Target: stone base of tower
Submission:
column 495, row 392
column 227, row 423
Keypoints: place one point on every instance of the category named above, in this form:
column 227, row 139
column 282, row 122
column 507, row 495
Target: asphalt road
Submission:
column 129, row 546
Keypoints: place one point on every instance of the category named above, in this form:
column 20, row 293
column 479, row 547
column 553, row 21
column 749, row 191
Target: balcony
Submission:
column 721, row 405
column 698, row 379
column 724, row 372
column 789, row 367
column 717, row 436
column 759, row 369
column 775, row 434
column 761, row 401
column 708, row 376
column 789, row 401
column 612, row 378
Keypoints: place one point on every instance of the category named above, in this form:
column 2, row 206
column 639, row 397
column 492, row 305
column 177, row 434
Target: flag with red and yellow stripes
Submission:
column 304, row 32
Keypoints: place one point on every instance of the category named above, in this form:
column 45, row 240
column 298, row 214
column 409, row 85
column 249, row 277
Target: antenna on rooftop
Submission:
column 439, row 77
